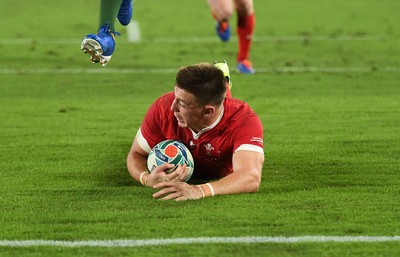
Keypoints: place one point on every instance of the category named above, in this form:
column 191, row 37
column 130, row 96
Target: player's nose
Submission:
column 174, row 106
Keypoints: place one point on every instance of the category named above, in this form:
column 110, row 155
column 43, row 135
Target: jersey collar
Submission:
column 197, row 135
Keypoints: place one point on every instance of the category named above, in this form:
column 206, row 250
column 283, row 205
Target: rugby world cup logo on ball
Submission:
column 171, row 151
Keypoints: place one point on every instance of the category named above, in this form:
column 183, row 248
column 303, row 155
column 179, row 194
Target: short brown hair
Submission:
column 205, row 81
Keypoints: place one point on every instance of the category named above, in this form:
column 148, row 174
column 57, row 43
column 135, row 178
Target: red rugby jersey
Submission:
column 239, row 129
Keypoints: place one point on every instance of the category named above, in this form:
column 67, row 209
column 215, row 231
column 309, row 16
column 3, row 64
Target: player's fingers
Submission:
column 183, row 174
column 181, row 198
column 164, row 191
column 174, row 176
column 171, row 196
column 163, row 167
column 178, row 174
column 163, row 184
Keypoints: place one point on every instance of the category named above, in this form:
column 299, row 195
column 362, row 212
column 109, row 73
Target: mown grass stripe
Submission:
column 174, row 70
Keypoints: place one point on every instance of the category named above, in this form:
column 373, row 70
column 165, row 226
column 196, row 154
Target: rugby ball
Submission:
column 171, row 151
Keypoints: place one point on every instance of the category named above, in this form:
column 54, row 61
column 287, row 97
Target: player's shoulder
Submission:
column 165, row 99
column 240, row 113
column 237, row 107
column 166, row 96
column 161, row 106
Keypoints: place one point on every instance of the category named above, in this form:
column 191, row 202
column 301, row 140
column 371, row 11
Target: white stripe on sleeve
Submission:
column 142, row 141
column 249, row 147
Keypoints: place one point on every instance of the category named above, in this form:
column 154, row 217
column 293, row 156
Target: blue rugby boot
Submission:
column 125, row 12
column 245, row 67
column 223, row 30
column 100, row 46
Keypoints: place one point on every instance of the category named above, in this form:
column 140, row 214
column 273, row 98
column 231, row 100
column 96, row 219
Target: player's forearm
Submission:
column 236, row 183
column 246, row 178
column 136, row 164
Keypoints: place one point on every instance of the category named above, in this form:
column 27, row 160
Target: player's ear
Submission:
column 209, row 110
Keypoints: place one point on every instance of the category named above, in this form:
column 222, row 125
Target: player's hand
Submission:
column 159, row 174
column 178, row 191
column 180, row 173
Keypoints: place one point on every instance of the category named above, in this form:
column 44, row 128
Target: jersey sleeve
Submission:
column 150, row 132
column 249, row 135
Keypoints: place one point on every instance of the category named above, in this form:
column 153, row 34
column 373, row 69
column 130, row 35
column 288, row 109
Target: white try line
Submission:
column 133, row 35
column 200, row 240
column 107, row 70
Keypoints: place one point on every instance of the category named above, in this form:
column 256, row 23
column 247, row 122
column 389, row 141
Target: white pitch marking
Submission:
column 133, row 32
column 200, row 240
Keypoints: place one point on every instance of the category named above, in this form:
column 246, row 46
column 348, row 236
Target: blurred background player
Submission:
column 222, row 11
column 101, row 46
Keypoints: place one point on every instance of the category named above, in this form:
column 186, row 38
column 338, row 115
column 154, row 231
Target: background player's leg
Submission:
column 108, row 12
column 245, row 29
column 222, row 11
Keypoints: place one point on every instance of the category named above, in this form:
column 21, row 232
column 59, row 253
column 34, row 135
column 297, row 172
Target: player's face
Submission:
column 187, row 112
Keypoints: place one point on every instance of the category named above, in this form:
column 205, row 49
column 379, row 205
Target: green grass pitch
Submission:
column 327, row 91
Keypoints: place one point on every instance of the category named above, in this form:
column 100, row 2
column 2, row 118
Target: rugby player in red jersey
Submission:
column 224, row 135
